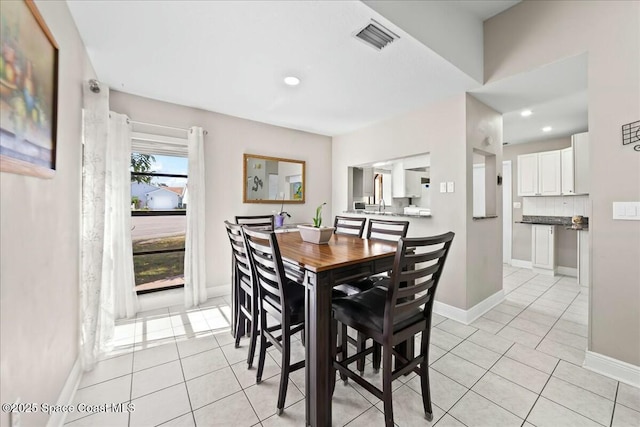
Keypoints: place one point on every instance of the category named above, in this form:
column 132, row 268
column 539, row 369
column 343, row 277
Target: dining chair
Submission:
column 280, row 297
column 349, row 225
column 245, row 289
column 392, row 314
column 256, row 220
column 377, row 229
column 268, row 222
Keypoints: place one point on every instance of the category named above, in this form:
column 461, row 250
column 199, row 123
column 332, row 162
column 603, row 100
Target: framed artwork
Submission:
column 296, row 190
column 28, row 91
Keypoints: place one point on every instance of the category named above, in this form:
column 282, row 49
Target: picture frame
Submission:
column 28, row 91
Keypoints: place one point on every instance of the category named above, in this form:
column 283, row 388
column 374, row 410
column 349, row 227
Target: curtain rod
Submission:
column 160, row 126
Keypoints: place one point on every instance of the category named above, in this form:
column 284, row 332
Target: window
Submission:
column 159, row 198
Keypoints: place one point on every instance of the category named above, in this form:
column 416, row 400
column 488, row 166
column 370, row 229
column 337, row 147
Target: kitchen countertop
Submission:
column 386, row 214
column 555, row 220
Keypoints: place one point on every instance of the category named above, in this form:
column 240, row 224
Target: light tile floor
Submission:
column 519, row 364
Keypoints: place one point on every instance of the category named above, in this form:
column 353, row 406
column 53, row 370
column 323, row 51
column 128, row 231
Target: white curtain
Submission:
column 107, row 287
column 195, row 287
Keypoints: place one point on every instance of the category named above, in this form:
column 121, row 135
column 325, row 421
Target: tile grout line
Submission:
column 541, row 390
column 613, row 412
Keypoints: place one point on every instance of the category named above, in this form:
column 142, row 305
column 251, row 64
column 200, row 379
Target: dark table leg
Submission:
column 318, row 349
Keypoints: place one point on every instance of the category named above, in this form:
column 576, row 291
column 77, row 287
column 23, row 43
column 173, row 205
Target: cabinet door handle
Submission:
column 550, row 230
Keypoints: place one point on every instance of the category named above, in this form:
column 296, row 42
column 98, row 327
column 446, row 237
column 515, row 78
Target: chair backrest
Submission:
column 239, row 251
column 417, row 266
column 266, row 261
column 349, row 225
column 392, row 231
column 256, row 221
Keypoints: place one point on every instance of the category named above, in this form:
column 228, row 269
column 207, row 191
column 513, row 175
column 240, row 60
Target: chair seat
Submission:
column 295, row 301
column 367, row 309
column 352, row 288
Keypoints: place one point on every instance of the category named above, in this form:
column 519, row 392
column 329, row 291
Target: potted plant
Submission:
column 279, row 217
column 316, row 233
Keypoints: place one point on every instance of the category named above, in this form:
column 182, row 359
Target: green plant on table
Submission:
column 317, row 220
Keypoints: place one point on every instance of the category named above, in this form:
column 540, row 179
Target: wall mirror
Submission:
column 273, row 180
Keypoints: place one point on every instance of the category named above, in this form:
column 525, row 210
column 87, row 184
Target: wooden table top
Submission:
column 342, row 250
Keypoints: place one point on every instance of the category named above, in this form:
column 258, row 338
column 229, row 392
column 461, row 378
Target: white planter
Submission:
column 319, row 236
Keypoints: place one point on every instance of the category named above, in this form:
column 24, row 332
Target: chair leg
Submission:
column 284, row 368
column 334, row 352
column 386, row 386
column 343, row 350
column 377, row 356
column 424, row 377
column 361, row 344
column 263, row 350
column 252, row 341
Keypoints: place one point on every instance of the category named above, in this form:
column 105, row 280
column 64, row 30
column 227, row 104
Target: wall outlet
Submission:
column 517, row 205
column 443, row 187
column 450, row 187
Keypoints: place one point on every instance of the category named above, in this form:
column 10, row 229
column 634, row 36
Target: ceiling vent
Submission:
column 376, row 35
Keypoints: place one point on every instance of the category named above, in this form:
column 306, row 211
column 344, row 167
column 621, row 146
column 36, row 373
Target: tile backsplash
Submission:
column 556, row 206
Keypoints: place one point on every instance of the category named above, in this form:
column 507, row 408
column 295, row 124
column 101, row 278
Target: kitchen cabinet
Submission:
column 568, row 183
column 543, row 248
column 539, row 174
column 528, row 175
column 549, row 168
column 405, row 183
column 580, row 146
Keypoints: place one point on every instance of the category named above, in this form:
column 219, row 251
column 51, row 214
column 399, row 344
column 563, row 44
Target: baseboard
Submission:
column 613, row 368
column 568, row 271
column 219, row 291
column 520, row 263
column 468, row 316
column 66, row 395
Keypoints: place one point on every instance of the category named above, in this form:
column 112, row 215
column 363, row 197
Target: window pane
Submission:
column 150, row 192
column 156, row 233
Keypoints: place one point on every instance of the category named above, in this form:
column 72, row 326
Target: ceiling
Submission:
column 231, row 57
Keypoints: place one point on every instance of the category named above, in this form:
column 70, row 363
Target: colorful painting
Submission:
column 28, row 91
column 296, row 190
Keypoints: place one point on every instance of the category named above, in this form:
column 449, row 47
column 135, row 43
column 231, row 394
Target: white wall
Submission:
column 440, row 130
column 532, row 34
column 228, row 139
column 40, row 245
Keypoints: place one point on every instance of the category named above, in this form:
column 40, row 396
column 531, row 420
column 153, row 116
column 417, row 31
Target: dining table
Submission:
column 343, row 259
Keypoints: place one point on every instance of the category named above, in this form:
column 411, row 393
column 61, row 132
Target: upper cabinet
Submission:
column 539, row 174
column 568, row 182
column 555, row 173
column 549, row 177
column 582, row 178
column 528, row 175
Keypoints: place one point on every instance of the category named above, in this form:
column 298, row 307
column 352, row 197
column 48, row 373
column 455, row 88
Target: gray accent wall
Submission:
column 532, row 34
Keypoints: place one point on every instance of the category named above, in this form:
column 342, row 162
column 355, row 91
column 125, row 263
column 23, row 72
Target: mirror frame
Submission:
column 246, row 156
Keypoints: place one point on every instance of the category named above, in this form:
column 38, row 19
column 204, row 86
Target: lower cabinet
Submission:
column 543, row 248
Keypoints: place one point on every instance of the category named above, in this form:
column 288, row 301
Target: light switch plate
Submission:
column 626, row 211
column 443, row 187
column 517, row 205
column 450, row 187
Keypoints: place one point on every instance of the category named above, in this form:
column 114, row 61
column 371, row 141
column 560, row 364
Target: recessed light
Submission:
column 292, row 81
column 526, row 113
column 377, row 165
column 547, row 129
